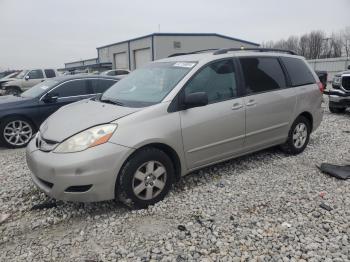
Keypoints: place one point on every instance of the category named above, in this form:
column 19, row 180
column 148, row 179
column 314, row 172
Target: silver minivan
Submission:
column 172, row 117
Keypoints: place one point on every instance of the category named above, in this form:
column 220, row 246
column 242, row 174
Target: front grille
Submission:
column 44, row 144
column 346, row 83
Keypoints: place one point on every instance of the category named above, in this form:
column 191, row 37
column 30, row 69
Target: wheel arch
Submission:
column 309, row 117
column 2, row 119
column 168, row 150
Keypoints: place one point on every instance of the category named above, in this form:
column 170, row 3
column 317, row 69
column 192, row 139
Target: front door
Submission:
column 214, row 132
column 269, row 103
column 66, row 93
column 32, row 78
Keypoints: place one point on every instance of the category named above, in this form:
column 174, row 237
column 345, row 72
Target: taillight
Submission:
column 320, row 86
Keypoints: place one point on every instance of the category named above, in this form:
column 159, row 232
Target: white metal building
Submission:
column 331, row 65
column 134, row 53
column 89, row 65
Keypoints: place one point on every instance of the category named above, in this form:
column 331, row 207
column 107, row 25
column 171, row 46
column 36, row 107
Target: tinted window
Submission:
column 262, row 74
column 218, row 80
column 72, row 88
column 121, row 72
column 298, row 71
column 50, row 73
column 36, row 74
column 101, row 85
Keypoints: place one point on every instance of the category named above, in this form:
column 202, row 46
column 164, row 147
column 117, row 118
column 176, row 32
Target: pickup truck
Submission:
column 25, row 80
column 339, row 95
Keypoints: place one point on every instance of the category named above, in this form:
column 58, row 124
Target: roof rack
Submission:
column 195, row 52
column 225, row 50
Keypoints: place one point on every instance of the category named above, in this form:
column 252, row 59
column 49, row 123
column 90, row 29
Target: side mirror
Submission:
column 349, row 67
column 50, row 98
column 26, row 77
column 195, row 100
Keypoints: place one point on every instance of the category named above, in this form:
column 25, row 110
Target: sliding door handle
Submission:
column 251, row 103
column 237, row 106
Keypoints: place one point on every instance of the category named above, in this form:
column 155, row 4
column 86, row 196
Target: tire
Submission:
column 337, row 110
column 298, row 136
column 139, row 181
column 12, row 90
column 16, row 132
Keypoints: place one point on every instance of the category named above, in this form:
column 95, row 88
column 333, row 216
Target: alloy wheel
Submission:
column 18, row 133
column 300, row 135
column 149, row 180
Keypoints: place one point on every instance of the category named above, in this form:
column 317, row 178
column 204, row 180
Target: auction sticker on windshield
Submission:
column 184, row 64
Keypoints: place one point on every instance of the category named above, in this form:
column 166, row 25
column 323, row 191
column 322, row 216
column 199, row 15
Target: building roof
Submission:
column 181, row 34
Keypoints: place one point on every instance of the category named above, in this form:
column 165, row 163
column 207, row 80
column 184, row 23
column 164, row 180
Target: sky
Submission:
column 49, row 33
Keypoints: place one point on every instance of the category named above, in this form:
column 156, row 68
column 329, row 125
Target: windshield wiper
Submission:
column 110, row 101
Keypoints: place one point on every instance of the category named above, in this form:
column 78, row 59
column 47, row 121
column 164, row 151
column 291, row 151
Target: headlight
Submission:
column 336, row 80
column 89, row 138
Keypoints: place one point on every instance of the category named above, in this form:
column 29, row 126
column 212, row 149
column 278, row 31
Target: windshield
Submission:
column 39, row 89
column 21, row 74
column 148, row 85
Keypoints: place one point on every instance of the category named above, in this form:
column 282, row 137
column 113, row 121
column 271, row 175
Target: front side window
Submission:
column 36, row 74
column 298, row 71
column 217, row 80
column 39, row 89
column 148, row 85
column 72, row 88
column 262, row 74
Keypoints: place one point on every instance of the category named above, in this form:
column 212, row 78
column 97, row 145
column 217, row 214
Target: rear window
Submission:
column 298, row 71
column 50, row 73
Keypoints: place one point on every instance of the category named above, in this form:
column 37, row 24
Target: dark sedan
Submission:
column 21, row 116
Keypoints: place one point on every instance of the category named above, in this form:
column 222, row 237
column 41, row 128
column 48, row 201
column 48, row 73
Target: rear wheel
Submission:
column 145, row 178
column 16, row 132
column 298, row 136
column 336, row 110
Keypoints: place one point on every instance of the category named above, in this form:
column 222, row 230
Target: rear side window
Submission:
column 298, row 71
column 218, row 80
column 262, row 74
column 50, row 73
column 101, row 85
column 72, row 88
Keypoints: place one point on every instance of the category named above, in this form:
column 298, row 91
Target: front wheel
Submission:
column 145, row 178
column 16, row 132
column 12, row 91
column 298, row 136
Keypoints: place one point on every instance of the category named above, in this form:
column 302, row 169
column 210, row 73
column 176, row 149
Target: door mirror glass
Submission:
column 26, row 77
column 50, row 98
column 195, row 100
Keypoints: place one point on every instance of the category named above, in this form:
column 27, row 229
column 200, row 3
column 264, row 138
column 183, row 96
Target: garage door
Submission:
column 121, row 61
column 142, row 57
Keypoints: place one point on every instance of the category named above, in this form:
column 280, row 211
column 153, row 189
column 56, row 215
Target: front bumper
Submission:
column 342, row 99
column 92, row 173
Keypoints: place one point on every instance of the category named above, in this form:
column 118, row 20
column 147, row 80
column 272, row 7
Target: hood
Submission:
column 10, row 101
column 74, row 118
column 342, row 73
column 6, row 81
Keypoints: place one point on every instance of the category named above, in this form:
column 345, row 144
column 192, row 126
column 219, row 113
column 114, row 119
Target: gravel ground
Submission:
column 260, row 207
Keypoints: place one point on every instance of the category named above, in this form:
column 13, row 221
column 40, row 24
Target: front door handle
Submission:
column 251, row 103
column 236, row 106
